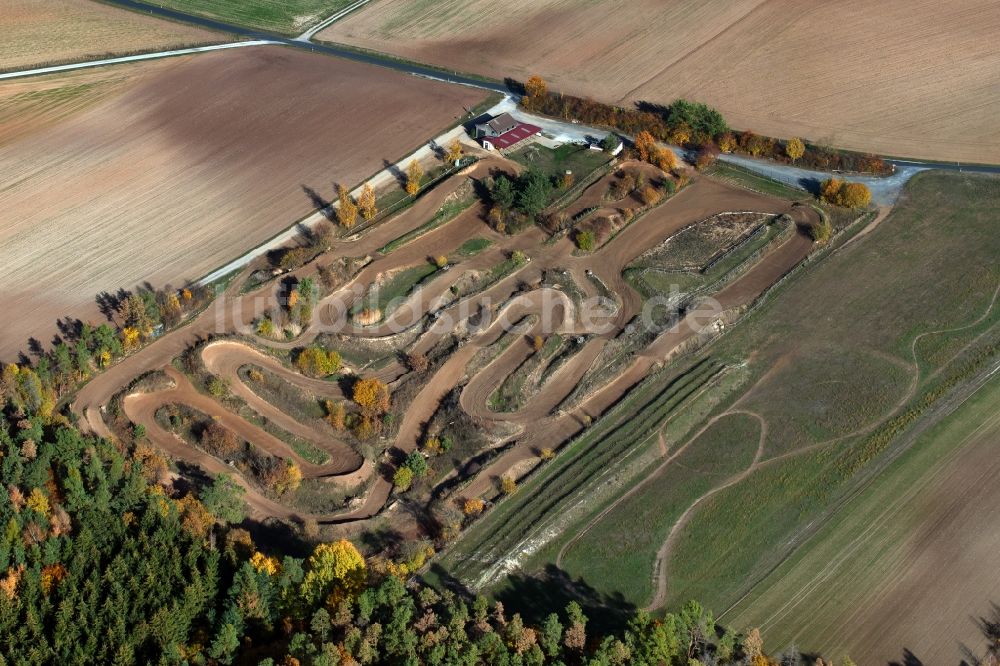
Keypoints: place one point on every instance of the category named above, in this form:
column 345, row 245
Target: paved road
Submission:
column 132, row 58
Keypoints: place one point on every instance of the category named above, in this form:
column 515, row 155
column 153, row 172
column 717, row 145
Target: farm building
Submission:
column 504, row 132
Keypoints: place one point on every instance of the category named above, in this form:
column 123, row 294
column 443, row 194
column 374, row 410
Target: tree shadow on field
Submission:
column 989, row 627
column 318, row 202
column 396, row 172
column 810, row 185
column 70, row 328
column 108, row 303
column 909, row 659
column 535, row 596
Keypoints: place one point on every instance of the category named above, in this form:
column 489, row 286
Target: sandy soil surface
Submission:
column 825, row 71
column 195, row 161
column 36, row 32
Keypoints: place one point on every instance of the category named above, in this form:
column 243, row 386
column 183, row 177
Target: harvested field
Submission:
column 920, row 90
column 278, row 15
column 37, row 32
column 162, row 181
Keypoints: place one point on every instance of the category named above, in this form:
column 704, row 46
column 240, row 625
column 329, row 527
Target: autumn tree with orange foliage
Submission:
column 372, row 396
column 664, row 159
column 854, row 195
column 414, row 174
column 829, row 189
column 454, row 151
column 645, row 144
column 473, row 506
column 535, row 90
column 347, row 214
column 366, row 202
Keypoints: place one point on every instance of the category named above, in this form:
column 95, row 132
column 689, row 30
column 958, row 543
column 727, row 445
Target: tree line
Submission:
column 692, row 125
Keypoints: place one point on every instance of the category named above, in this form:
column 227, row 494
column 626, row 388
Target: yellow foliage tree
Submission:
column 366, row 202
column 728, row 142
column 264, row 564
column 38, row 502
column 508, row 486
column 130, row 338
column 402, row 479
column 347, row 214
column 414, row 173
column 795, row 148
column 680, row 135
column 454, row 151
column 336, row 572
column 854, row 195
column 372, row 395
column 288, row 479
column 473, row 506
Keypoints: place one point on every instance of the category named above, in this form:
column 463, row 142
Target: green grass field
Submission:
column 617, row 554
column 813, row 598
column 556, row 162
column 290, row 18
column 825, row 361
column 832, row 362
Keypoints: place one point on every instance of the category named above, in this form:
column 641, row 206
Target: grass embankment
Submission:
column 523, row 383
column 663, row 273
column 473, row 246
column 737, row 175
column 557, row 161
column 396, row 288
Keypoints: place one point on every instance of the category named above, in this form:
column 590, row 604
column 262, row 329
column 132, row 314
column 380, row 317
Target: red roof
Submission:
column 516, row 135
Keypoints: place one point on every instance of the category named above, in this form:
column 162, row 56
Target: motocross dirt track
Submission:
column 189, row 166
column 828, row 72
column 701, row 199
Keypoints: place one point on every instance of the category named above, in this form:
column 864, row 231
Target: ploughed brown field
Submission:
column 171, row 169
column 901, row 77
column 44, row 31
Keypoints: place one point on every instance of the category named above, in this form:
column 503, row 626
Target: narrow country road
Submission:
column 38, row 71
